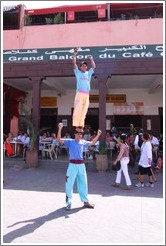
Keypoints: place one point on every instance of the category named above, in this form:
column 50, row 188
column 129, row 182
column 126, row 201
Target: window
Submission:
column 43, row 19
column 11, row 17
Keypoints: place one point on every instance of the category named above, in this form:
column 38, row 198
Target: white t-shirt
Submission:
column 146, row 154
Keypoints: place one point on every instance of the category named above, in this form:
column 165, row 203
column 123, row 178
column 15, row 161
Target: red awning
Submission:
column 79, row 8
column 66, row 8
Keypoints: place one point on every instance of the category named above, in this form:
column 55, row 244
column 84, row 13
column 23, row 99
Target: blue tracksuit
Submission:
column 76, row 171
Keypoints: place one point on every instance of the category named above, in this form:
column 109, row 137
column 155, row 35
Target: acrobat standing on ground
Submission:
column 81, row 101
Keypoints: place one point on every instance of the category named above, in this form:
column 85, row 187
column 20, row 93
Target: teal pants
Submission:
column 76, row 172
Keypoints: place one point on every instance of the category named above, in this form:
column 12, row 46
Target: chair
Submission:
column 25, row 148
column 86, row 154
column 63, row 147
column 52, row 149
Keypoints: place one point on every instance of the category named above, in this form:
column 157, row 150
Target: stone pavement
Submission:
column 33, row 211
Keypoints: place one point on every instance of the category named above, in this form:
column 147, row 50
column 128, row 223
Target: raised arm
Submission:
column 96, row 138
column 74, row 61
column 59, row 139
column 93, row 65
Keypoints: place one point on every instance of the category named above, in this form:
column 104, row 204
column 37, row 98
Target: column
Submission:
column 102, row 106
column 36, row 83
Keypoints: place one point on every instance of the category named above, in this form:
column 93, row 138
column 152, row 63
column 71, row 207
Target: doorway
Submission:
column 48, row 118
column 92, row 118
column 122, row 122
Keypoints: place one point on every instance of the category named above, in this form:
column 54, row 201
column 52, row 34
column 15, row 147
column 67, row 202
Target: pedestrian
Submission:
column 113, row 130
column 76, row 170
column 123, row 157
column 145, row 161
column 83, row 78
column 8, row 146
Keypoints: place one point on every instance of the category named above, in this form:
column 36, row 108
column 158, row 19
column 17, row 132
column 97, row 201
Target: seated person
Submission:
column 67, row 135
column 19, row 139
column 26, row 144
column 54, row 138
column 8, row 146
column 94, row 149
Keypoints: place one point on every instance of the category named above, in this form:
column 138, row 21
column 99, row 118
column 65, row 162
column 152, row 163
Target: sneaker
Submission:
column 116, row 185
column 127, row 187
column 88, row 205
column 68, row 207
column 140, row 185
column 150, row 185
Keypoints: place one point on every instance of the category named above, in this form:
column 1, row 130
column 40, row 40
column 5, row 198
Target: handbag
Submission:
column 117, row 166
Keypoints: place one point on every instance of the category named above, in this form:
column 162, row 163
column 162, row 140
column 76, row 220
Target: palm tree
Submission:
column 32, row 153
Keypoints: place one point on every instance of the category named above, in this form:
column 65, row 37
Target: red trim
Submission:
column 78, row 8
column 65, row 9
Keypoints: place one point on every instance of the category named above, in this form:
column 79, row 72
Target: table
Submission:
column 15, row 143
column 44, row 144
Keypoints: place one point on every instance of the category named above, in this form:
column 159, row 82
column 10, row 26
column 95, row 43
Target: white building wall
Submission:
column 151, row 101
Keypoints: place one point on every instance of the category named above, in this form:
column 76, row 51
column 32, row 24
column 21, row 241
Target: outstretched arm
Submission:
column 75, row 58
column 96, row 138
column 59, row 139
column 93, row 65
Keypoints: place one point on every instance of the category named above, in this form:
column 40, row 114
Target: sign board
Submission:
column 120, row 98
column 99, row 52
column 130, row 108
column 48, row 102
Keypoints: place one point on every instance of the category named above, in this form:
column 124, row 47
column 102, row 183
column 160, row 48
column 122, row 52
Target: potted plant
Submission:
column 48, row 20
column 58, row 19
column 101, row 157
column 27, row 20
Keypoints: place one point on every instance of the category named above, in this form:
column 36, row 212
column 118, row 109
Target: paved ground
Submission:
column 34, row 199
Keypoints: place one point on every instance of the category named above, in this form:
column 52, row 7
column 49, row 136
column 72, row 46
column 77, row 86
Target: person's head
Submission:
column 145, row 136
column 123, row 137
column 10, row 134
column 78, row 134
column 53, row 135
column 26, row 134
column 83, row 66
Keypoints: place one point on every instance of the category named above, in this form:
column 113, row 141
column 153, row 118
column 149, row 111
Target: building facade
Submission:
column 126, row 41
